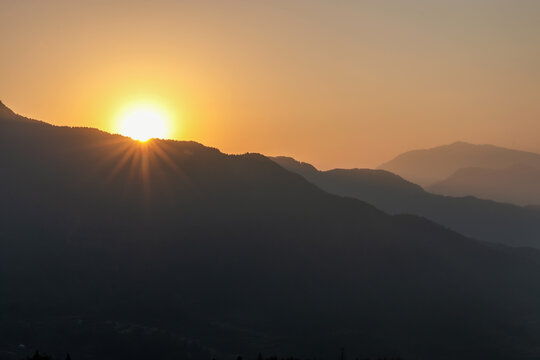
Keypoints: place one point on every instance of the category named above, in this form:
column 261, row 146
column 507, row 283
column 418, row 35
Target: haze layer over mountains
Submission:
column 113, row 248
column 462, row 169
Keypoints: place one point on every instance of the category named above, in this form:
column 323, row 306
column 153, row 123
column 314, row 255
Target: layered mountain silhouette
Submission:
column 518, row 184
column 430, row 166
column 113, row 249
column 477, row 218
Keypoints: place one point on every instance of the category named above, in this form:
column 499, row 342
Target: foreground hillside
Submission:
column 115, row 249
column 481, row 219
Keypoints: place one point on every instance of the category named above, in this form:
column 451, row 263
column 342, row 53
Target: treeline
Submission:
column 38, row 356
column 341, row 357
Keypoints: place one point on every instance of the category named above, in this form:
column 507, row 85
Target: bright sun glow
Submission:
column 144, row 122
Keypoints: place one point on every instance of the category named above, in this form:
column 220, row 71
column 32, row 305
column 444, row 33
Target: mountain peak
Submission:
column 291, row 163
column 430, row 166
column 460, row 143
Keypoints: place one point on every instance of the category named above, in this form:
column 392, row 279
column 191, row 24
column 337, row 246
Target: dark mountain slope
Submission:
column 518, row 184
column 481, row 219
column 426, row 167
column 6, row 114
column 112, row 249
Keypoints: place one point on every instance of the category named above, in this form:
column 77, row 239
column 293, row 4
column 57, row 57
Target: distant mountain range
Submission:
column 518, row 184
column 484, row 171
column 481, row 219
column 114, row 249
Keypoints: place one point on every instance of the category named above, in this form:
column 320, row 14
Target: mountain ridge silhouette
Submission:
column 481, row 219
column 119, row 249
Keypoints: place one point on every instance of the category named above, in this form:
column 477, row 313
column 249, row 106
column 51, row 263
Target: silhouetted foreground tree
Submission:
column 38, row 356
column 357, row 358
column 342, row 356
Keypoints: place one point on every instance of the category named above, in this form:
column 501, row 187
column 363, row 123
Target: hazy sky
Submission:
column 335, row 83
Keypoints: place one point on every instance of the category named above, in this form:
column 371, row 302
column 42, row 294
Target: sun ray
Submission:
column 162, row 150
column 127, row 156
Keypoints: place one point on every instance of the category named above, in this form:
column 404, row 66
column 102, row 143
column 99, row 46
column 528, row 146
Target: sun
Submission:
column 143, row 122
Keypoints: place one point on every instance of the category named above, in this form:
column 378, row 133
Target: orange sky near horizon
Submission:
column 334, row 83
